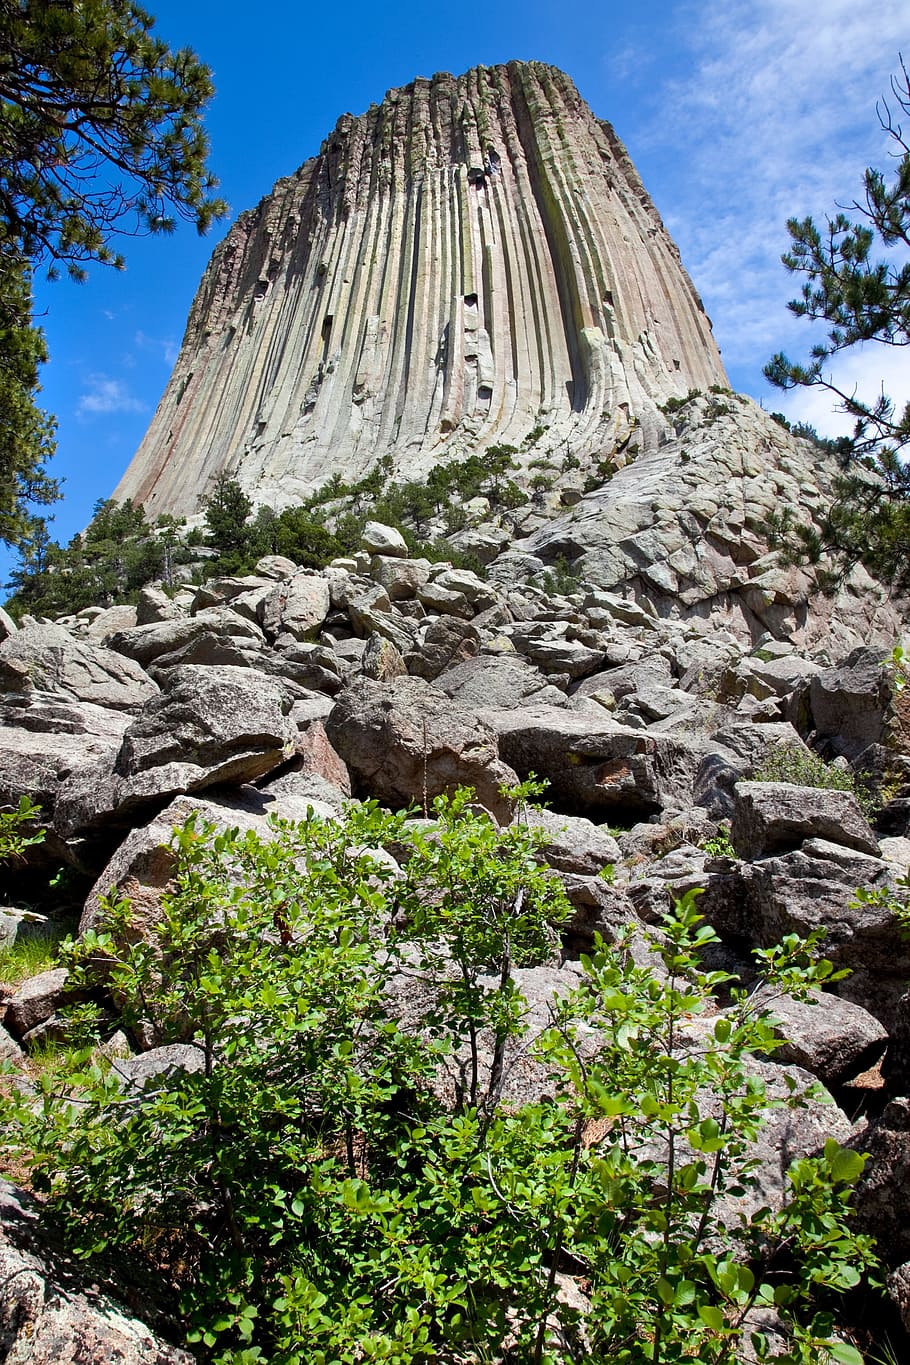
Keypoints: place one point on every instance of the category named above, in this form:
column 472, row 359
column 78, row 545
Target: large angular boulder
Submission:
column 406, row 741
column 298, row 606
column 48, row 659
column 146, row 643
column 36, row 999
column 304, row 666
column 770, row 817
column 833, row 1038
column 594, row 764
column 814, row 888
column 45, row 742
column 574, row 844
column 854, row 705
column 144, row 864
column 401, row 578
column 500, row 682
column 229, row 721
column 109, row 621
column 208, row 726
column 446, row 642
column 379, row 539
column 149, row 1068
column 881, row 1202
column 154, row 605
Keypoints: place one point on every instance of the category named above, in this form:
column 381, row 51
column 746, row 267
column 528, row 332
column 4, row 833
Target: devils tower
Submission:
column 472, row 259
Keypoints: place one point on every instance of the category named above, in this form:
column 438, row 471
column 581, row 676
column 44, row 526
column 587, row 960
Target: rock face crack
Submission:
column 470, row 260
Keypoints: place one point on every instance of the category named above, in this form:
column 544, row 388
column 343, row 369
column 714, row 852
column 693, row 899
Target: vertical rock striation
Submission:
column 474, row 258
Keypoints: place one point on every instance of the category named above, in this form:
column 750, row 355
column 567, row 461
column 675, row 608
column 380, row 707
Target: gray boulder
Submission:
column 208, row 650
column 574, row 844
column 881, row 1203
column 814, row 887
column 145, row 643
column 401, row 578
column 852, row 705
column 498, row 681
column 569, row 657
column 379, row 539
column 381, row 660
column 592, row 763
column 298, row 606
column 831, row 1037
column 208, row 726
column 36, row 999
column 275, row 567
column 154, row 605
column 436, row 597
column 446, row 642
column 307, row 667
column 231, row 722
column 48, row 659
column 136, row 1073
column 406, row 739
column 45, row 742
column 144, row 864
column 108, row 622
column 770, row 817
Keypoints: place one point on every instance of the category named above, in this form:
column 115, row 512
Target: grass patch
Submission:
column 27, row 957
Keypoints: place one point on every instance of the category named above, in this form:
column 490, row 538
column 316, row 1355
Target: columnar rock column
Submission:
column 471, row 260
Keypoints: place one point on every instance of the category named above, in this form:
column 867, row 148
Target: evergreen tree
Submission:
column 864, row 299
column 100, row 133
column 100, row 130
column 26, row 433
column 227, row 513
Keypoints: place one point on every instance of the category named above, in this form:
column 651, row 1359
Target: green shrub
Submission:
column 719, row 845
column 804, row 768
column 18, row 831
column 342, row 1180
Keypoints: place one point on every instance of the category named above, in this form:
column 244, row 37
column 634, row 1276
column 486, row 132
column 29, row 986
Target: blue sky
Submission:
column 737, row 113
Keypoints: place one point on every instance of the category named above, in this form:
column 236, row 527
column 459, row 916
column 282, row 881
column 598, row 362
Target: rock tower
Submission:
column 473, row 259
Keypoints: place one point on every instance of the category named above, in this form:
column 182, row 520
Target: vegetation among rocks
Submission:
column 337, row 1150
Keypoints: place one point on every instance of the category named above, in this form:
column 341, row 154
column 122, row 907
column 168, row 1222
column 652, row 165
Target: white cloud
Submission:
column 166, row 346
column 865, row 372
column 774, row 118
column 105, row 395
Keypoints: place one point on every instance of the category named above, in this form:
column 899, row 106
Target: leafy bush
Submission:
column 18, row 830
column 804, row 768
column 342, row 1179
column 673, row 404
column 719, row 845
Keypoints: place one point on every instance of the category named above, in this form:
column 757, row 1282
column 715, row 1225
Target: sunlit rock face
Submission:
column 470, row 260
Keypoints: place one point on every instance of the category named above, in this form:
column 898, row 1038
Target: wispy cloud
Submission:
column 105, row 395
column 774, row 118
column 166, row 347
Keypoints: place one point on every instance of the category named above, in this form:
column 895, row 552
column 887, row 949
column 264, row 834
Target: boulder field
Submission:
column 290, row 689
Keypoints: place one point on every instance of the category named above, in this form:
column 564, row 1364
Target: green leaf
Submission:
column 843, row 1353
column 712, row 1317
column 665, row 1291
column 846, row 1166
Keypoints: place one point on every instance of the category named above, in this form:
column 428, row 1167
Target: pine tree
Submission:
column 864, row 299
column 100, row 134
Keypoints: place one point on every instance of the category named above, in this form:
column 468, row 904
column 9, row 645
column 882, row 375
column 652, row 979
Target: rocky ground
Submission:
column 385, row 676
